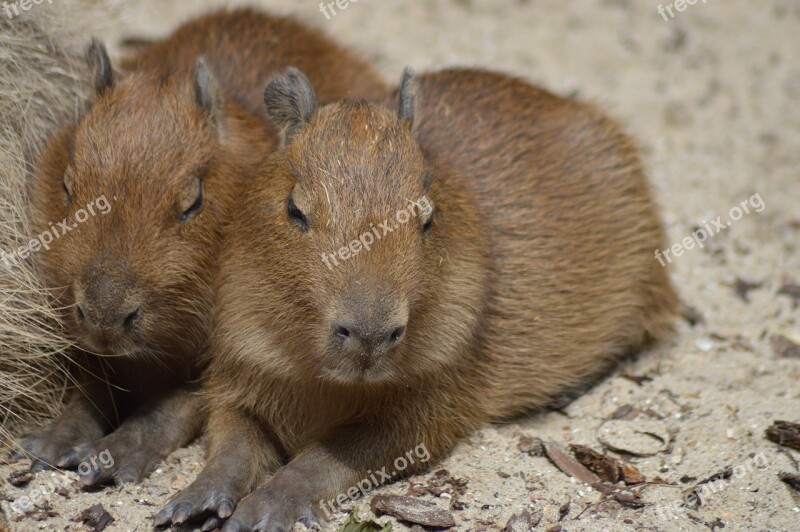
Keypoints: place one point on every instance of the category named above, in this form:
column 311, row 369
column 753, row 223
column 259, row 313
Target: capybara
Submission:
column 143, row 182
column 402, row 273
column 43, row 79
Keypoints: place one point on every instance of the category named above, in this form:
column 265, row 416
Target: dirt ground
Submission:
column 713, row 97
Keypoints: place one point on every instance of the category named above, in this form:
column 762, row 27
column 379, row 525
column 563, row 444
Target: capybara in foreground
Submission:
column 401, row 274
column 143, row 182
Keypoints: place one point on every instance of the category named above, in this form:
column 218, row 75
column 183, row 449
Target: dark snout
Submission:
column 369, row 326
column 106, row 303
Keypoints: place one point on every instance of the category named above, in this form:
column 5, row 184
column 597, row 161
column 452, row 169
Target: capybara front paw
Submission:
column 204, row 498
column 272, row 508
column 47, row 447
column 112, row 459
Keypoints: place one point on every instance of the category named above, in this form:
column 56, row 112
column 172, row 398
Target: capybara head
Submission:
column 128, row 202
column 353, row 209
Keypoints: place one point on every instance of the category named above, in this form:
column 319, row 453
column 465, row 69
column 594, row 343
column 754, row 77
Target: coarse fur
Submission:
column 43, row 82
column 529, row 272
column 166, row 145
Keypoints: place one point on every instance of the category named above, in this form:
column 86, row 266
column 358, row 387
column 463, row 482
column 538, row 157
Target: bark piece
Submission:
column 412, row 510
column 785, row 433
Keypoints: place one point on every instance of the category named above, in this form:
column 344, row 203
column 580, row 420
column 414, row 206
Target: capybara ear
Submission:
column 100, row 64
column 407, row 107
column 291, row 102
column 208, row 93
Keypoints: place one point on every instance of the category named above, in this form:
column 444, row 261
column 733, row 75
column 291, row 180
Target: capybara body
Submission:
column 245, row 47
column 157, row 160
column 521, row 268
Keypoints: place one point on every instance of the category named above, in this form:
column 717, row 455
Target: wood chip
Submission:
column 791, row 290
column 784, row 347
column 569, row 465
column 440, row 483
column 791, row 479
column 563, row 510
column 785, row 433
column 692, row 316
column 743, row 288
column 96, row 517
column 21, row 478
column 623, row 496
column 530, row 445
column 628, row 412
column 725, row 474
column 411, row 510
column 523, row 522
column 638, row 379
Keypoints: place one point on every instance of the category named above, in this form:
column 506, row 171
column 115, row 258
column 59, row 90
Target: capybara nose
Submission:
column 107, row 318
column 104, row 302
column 368, row 338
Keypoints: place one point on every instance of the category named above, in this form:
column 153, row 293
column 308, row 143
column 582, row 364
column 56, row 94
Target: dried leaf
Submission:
column 631, row 475
column 607, row 467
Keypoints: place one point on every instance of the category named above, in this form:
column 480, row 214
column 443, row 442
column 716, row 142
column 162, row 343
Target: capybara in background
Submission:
column 143, row 182
column 401, row 274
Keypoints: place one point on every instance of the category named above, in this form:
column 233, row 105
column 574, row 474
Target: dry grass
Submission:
column 43, row 84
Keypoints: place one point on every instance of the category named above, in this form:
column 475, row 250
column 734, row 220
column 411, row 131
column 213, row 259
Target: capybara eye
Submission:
column 195, row 207
column 427, row 227
column 67, row 193
column 296, row 215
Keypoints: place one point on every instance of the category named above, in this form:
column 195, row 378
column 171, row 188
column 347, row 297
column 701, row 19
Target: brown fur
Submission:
column 536, row 275
column 245, row 48
column 168, row 145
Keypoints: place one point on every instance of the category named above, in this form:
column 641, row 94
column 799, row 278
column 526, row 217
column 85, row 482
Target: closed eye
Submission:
column 427, row 227
column 67, row 193
column 296, row 215
column 195, row 207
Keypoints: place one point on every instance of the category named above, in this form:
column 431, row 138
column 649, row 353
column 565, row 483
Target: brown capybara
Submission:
column 143, row 182
column 402, row 274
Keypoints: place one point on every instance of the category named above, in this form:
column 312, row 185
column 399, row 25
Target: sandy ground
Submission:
column 713, row 97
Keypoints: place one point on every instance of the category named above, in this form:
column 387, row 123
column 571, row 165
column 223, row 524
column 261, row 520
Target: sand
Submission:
column 713, row 98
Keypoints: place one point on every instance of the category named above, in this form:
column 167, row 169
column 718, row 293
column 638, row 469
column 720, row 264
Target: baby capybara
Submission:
column 142, row 183
column 402, row 274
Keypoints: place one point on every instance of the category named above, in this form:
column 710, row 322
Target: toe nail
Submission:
column 225, row 509
column 180, row 516
column 162, row 518
column 232, row 526
column 38, row 465
column 212, row 523
column 89, row 480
